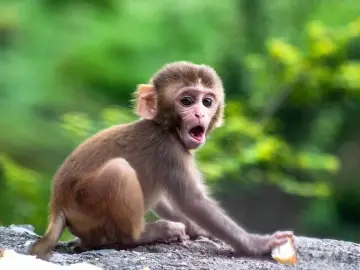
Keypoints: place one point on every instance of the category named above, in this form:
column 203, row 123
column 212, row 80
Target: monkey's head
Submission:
column 184, row 98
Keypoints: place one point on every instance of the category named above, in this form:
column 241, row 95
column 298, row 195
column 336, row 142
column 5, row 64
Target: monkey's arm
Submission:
column 204, row 211
column 165, row 210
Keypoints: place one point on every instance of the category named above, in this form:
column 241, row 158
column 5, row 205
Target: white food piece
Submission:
column 9, row 259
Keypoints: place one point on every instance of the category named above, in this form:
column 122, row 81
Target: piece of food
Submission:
column 285, row 253
column 9, row 259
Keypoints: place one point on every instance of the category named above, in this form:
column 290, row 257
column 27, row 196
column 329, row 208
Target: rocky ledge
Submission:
column 201, row 254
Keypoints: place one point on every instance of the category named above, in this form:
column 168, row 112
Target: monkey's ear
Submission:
column 145, row 101
column 219, row 116
column 218, row 119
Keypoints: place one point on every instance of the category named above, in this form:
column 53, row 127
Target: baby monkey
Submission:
column 106, row 185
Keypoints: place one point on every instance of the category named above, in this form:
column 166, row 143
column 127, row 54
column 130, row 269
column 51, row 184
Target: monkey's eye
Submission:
column 207, row 102
column 186, row 101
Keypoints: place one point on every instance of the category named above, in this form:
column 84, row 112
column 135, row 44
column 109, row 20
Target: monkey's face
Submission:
column 185, row 98
column 196, row 107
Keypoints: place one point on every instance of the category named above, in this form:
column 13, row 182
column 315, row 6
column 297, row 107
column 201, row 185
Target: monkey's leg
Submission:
column 154, row 232
column 43, row 246
column 167, row 211
column 111, row 206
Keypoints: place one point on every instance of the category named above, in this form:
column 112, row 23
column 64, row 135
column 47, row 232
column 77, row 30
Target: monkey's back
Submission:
column 124, row 140
column 143, row 144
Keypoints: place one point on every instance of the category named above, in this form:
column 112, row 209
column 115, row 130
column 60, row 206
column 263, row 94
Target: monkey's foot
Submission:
column 208, row 241
column 163, row 231
column 196, row 232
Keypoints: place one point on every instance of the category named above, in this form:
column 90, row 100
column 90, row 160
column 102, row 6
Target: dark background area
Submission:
column 287, row 156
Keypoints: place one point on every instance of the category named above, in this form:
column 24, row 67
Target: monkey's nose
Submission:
column 198, row 115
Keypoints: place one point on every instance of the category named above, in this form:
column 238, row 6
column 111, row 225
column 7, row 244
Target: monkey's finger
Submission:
column 275, row 242
column 281, row 234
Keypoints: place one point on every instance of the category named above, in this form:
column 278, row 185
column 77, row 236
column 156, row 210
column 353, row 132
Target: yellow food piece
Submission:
column 286, row 253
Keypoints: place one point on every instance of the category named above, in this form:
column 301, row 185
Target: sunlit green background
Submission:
column 288, row 156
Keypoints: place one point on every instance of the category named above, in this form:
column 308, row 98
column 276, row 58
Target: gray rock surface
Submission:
column 312, row 254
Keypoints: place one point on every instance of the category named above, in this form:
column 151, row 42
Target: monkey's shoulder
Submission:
column 124, row 131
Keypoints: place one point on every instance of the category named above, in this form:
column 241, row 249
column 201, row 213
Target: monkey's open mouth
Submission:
column 197, row 133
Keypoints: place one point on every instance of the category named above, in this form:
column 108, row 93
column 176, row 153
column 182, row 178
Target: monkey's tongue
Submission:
column 197, row 133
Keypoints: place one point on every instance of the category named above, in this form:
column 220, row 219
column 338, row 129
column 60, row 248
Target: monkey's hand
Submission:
column 264, row 244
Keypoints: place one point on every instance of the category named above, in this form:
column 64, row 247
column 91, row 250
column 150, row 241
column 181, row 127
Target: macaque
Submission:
column 106, row 185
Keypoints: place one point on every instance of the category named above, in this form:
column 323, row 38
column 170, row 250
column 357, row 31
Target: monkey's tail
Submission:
column 56, row 226
column 43, row 246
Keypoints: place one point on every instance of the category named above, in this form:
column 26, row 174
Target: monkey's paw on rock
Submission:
column 312, row 253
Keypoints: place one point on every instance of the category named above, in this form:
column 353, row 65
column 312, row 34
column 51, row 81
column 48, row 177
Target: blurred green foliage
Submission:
column 291, row 70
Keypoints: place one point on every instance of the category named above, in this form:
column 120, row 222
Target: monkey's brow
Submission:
column 190, row 91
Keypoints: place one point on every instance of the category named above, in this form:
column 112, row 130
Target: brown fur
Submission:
column 103, row 189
